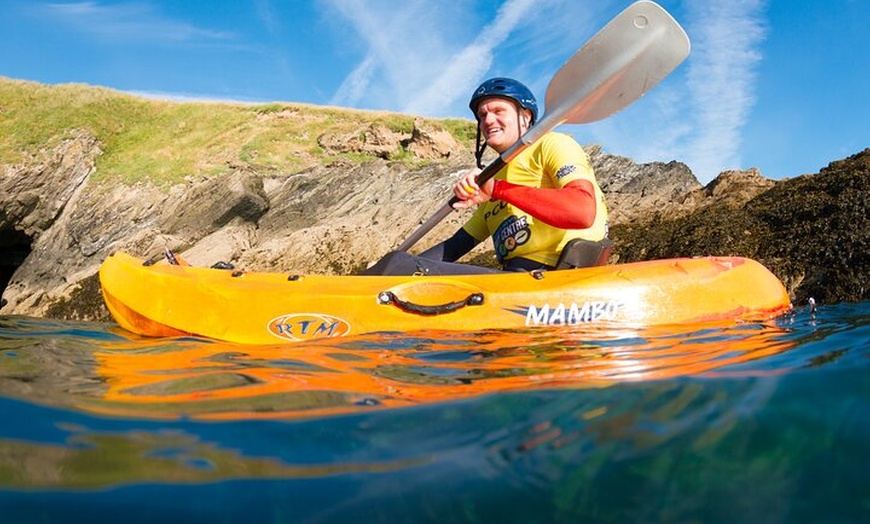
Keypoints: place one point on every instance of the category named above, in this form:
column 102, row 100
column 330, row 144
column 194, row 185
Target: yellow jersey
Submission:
column 551, row 162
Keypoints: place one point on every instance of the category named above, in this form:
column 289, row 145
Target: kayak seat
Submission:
column 584, row 253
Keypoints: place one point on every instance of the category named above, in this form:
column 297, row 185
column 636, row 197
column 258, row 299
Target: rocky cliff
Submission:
column 58, row 221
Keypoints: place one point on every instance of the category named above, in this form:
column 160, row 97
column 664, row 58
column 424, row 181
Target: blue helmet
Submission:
column 505, row 88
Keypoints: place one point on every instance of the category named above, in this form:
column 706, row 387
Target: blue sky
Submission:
column 781, row 85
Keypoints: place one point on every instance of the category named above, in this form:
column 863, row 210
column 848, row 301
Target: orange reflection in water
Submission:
column 205, row 379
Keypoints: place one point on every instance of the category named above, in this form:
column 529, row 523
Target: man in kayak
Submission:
column 545, row 199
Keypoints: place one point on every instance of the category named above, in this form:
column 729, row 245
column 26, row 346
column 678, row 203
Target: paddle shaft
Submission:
column 487, row 173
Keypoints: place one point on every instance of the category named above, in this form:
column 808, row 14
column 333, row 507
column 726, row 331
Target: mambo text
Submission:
column 562, row 315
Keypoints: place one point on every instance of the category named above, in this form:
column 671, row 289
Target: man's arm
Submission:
column 453, row 248
column 569, row 207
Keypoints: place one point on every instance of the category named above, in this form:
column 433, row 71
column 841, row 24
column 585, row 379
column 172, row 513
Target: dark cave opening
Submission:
column 15, row 246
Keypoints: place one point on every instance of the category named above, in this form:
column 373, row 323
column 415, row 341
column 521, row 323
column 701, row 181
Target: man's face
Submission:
column 500, row 122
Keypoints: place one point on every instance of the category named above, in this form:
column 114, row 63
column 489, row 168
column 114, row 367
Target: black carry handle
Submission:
column 388, row 297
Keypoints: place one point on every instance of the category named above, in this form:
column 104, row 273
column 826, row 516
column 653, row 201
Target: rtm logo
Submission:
column 571, row 315
column 308, row 326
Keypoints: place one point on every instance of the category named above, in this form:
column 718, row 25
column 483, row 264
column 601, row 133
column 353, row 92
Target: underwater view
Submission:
column 730, row 422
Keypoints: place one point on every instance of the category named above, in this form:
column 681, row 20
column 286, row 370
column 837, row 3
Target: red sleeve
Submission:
column 568, row 207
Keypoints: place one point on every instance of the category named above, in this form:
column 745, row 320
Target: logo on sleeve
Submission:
column 565, row 171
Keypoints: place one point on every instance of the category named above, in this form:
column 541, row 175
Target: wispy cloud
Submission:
column 356, row 84
column 266, row 14
column 127, row 22
column 410, row 55
column 722, row 79
column 397, row 40
column 466, row 67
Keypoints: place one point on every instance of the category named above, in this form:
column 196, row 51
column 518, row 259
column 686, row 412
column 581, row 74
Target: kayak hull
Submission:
column 266, row 308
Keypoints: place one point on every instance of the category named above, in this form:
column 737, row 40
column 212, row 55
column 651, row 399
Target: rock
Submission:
column 241, row 197
column 33, row 196
column 376, row 140
column 427, row 142
column 813, row 231
column 642, row 191
column 817, row 231
column 431, row 143
column 730, row 188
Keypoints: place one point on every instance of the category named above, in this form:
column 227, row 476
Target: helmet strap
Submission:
column 479, row 146
column 521, row 118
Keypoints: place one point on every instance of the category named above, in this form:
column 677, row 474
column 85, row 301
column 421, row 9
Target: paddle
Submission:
column 624, row 60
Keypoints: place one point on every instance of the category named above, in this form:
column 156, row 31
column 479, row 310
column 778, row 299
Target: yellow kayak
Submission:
column 266, row 308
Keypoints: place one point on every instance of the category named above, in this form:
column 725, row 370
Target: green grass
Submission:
column 163, row 142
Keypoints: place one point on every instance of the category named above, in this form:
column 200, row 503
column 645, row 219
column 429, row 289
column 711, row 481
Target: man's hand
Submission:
column 469, row 193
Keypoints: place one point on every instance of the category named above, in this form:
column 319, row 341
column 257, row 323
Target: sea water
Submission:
column 753, row 422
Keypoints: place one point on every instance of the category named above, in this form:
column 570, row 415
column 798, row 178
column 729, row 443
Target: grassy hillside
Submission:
column 164, row 141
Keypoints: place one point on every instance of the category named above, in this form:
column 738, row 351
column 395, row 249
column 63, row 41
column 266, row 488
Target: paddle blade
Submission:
column 625, row 59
